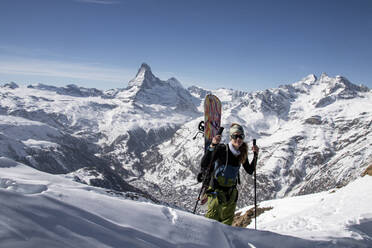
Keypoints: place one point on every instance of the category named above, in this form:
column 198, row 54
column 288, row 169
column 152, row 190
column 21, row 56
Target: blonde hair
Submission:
column 243, row 152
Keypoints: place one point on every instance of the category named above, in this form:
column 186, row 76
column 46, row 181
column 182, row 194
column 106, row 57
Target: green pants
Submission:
column 221, row 205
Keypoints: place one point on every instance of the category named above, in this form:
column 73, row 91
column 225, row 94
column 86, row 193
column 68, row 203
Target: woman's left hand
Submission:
column 216, row 140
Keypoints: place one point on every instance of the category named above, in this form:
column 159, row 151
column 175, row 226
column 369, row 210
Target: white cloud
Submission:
column 48, row 68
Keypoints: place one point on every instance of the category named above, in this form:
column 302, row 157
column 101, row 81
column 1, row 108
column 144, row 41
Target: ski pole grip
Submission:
column 220, row 130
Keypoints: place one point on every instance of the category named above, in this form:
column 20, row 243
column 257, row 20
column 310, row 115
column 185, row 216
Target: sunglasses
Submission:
column 235, row 136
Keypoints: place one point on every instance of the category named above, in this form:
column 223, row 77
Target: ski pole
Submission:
column 197, row 201
column 255, row 186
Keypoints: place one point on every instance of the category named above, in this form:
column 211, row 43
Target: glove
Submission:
column 200, row 177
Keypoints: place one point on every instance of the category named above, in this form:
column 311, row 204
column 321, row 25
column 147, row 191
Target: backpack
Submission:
column 226, row 175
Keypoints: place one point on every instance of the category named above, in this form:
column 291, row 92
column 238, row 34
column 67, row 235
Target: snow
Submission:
column 22, row 129
column 334, row 214
column 43, row 210
column 40, row 144
column 313, row 135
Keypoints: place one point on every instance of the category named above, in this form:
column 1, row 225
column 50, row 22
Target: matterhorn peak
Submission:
column 144, row 76
column 144, row 68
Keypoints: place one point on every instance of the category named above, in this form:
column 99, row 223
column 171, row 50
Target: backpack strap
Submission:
column 227, row 159
column 227, row 155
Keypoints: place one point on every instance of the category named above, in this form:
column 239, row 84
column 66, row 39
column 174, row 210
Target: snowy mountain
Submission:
column 61, row 130
column 314, row 134
column 38, row 209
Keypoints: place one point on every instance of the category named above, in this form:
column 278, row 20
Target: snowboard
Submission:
column 212, row 118
column 210, row 127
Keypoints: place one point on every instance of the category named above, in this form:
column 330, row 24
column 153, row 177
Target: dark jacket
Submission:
column 219, row 155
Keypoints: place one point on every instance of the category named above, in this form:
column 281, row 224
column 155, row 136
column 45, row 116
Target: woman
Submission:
column 220, row 167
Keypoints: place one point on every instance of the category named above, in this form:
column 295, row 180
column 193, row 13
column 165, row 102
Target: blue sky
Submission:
column 245, row 45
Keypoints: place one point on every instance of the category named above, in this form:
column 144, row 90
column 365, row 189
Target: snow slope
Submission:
column 338, row 213
column 42, row 210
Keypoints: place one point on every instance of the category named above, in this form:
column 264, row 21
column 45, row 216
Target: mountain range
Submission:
column 314, row 134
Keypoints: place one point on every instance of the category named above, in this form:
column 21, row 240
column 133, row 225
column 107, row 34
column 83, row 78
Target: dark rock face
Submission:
column 10, row 85
column 314, row 120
